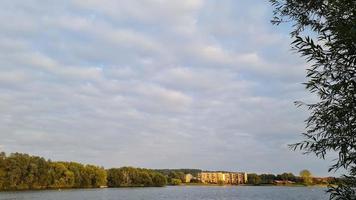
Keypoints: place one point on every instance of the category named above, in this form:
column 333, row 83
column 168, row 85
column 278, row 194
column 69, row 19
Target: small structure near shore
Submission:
column 188, row 178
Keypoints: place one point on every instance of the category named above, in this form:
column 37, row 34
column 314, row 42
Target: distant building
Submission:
column 233, row 178
column 188, row 178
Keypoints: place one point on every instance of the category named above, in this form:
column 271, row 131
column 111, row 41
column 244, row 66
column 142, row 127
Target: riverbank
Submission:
column 261, row 185
column 181, row 185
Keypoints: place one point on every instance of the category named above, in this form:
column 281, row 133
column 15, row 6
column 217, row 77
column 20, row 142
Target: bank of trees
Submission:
column 174, row 177
column 133, row 177
column 304, row 178
column 167, row 172
column 177, row 176
column 22, row 171
column 256, row 179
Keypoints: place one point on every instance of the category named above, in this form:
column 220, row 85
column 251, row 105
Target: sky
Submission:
column 206, row 84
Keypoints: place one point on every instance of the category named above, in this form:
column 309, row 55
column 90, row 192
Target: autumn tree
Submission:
column 306, row 176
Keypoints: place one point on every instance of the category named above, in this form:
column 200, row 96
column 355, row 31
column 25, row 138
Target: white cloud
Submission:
column 149, row 11
column 163, row 98
column 203, row 80
column 14, row 77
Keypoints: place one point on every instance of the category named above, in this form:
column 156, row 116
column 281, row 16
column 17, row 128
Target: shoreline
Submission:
column 182, row 185
column 261, row 185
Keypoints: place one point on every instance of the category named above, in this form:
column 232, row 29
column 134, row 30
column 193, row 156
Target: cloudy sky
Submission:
column 152, row 83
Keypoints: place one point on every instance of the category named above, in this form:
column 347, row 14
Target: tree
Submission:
column 159, row 180
column 267, row 178
column 253, row 179
column 146, row 179
column 175, row 181
column 324, row 32
column 2, row 170
column 61, row 177
column 286, row 177
column 181, row 176
column 21, row 171
column 172, row 175
column 129, row 176
column 306, row 176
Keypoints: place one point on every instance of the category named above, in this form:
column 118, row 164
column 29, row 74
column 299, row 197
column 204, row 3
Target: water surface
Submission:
column 176, row 193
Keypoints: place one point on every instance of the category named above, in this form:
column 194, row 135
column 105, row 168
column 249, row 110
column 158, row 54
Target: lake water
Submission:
column 176, row 193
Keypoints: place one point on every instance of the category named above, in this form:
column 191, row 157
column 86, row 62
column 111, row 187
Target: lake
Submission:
column 176, row 193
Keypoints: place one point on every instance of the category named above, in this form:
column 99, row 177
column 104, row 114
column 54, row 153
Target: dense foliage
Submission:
column 177, row 176
column 329, row 45
column 305, row 178
column 21, row 171
column 253, row 179
column 129, row 176
column 193, row 172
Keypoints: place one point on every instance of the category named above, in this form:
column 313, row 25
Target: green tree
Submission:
column 129, row 176
column 267, row 178
column 21, row 171
column 60, row 176
column 181, row 176
column 145, row 178
column 100, row 177
column 175, row 175
column 286, row 177
column 329, row 45
column 78, row 171
column 159, row 180
column 306, row 176
column 2, row 170
column 17, row 176
column 253, row 179
column 115, row 177
column 175, row 181
column 166, row 172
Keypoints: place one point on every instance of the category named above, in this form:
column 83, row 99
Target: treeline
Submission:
column 23, row 172
column 193, row 172
column 133, row 177
column 304, row 178
column 177, row 176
